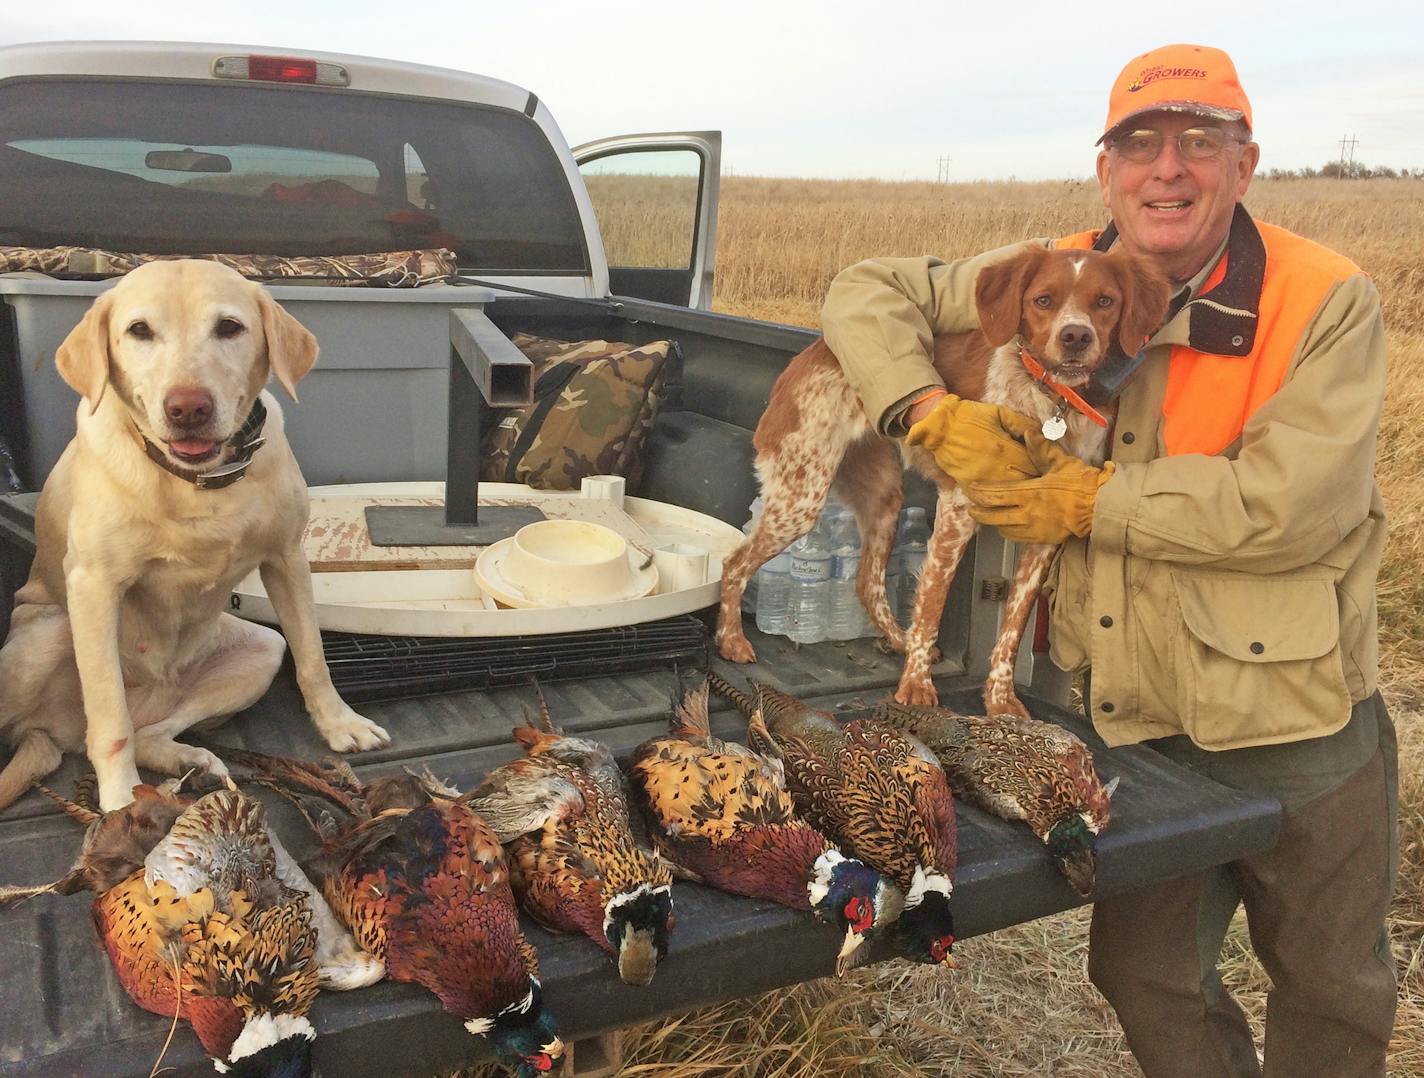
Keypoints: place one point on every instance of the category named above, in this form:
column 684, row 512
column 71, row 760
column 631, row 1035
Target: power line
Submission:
column 942, row 172
column 1347, row 164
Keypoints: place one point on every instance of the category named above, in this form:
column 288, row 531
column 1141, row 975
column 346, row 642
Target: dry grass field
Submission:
column 1021, row 1005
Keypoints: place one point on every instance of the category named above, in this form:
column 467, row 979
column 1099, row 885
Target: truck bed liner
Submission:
column 66, row 1014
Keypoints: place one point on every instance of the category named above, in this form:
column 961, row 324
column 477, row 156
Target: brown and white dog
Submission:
column 1065, row 309
column 121, row 638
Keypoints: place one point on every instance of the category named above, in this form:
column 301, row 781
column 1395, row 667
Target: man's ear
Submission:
column 83, row 357
column 999, row 291
column 291, row 347
column 1145, row 294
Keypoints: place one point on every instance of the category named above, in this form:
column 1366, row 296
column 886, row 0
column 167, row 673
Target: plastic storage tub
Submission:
column 373, row 408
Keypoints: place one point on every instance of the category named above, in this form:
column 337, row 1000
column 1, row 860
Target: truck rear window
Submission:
column 173, row 167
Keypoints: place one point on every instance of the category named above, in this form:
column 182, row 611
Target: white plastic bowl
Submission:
column 565, row 562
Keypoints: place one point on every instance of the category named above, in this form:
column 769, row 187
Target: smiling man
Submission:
column 1217, row 581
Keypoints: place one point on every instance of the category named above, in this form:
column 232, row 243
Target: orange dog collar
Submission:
column 1040, row 374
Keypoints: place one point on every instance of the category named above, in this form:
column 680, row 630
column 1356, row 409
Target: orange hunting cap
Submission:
column 1178, row 78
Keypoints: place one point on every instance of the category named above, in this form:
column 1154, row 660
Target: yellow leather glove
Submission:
column 976, row 443
column 1047, row 509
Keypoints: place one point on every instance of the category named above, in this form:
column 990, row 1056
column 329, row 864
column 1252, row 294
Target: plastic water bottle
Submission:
column 913, row 541
column 774, row 594
column 846, row 618
column 749, row 596
column 810, row 585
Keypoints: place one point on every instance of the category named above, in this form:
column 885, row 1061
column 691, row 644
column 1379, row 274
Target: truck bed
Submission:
column 65, row 1013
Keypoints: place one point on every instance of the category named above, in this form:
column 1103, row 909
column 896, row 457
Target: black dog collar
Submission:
column 247, row 441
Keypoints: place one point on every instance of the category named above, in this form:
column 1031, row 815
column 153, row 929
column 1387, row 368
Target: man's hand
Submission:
column 1046, row 509
column 974, row 442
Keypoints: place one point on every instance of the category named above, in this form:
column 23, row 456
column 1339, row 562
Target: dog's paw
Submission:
column 917, row 691
column 190, row 758
column 736, row 649
column 1000, row 699
column 175, row 758
column 349, row 732
column 893, row 641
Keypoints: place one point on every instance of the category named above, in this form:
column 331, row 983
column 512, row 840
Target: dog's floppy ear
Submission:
column 999, row 291
column 83, row 358
column 1144, row 301
column 291, row 347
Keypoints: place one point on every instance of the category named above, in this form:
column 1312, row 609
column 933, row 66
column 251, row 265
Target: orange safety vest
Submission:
column 1246, row 328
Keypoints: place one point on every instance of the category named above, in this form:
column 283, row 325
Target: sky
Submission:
column 835, row 89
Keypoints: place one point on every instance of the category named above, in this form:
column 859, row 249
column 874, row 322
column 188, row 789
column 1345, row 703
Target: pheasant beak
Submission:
column 849, row 946
column 949, row 962
column 1080, row 868
column 637, row 957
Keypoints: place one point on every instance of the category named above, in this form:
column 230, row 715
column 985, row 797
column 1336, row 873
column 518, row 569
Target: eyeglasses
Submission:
column 1142, row 146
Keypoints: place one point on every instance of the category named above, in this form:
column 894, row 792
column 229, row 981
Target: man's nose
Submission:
column 1169, row 164
column 188, row 407
column 1075, row 337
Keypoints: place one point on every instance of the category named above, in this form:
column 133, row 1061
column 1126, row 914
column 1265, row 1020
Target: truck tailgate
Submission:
column 66, row 1014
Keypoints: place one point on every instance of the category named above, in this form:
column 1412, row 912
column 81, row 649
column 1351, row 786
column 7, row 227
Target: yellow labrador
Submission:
column 175, row 487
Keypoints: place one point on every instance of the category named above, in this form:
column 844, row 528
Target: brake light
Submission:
column 281, row 69
column 289, row 69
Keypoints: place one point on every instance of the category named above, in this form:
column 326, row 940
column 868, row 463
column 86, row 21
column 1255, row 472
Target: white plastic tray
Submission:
column 432, row 591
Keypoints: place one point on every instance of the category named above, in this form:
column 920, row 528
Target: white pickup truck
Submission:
column 172, row 149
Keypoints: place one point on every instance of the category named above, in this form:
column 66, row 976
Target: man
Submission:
column 1217, row 578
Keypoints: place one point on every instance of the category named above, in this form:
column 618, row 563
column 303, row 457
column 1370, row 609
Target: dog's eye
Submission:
column 1043, row 301
column 228, row 327
column 1105, row 301
column 140, row 331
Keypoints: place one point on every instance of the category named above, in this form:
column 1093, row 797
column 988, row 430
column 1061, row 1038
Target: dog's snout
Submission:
column 1075, row 336
column 188, row 407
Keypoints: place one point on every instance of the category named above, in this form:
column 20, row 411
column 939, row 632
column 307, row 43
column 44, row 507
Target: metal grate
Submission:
column 391, row 667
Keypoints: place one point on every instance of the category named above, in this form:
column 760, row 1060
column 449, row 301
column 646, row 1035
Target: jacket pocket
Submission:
column 1258, row 658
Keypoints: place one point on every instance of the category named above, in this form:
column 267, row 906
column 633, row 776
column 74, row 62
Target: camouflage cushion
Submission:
column 594, row 406
column 393, row 269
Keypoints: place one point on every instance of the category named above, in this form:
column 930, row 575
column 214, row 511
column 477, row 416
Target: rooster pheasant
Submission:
column 1020, row 769
column 562, row 812
column 193, row 911
column 722, row 814
column 879, row 793
column 422, row 882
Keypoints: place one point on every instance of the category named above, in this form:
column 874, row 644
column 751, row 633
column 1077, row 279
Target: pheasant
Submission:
column 422, row 882
column 562, row 812
column 1020, row 769
column 879, row 793
column 194, row 914
column 722, row 814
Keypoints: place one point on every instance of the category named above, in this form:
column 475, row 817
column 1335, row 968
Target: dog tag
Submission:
column 1054, row 427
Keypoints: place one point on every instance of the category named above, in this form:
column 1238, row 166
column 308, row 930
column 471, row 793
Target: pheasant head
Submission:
column 271, row 1046
column 637, row 924
column 925, row 931
column 524, row 1035
column 1074, row 846
column 855, row 898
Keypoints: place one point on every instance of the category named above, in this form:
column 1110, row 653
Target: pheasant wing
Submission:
column 523, row 795
column 885, row 825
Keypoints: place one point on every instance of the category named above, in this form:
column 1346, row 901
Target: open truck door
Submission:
column 655, row 197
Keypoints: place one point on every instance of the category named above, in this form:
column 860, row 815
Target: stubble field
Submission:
column 1021, row 1004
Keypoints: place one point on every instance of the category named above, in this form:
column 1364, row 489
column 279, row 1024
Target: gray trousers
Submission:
column 1315, row 907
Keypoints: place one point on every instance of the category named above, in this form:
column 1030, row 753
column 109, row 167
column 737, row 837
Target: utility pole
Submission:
column 942, row 174
column 1347, row 165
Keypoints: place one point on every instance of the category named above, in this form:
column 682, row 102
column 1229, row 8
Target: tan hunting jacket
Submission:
column 1229, row 595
